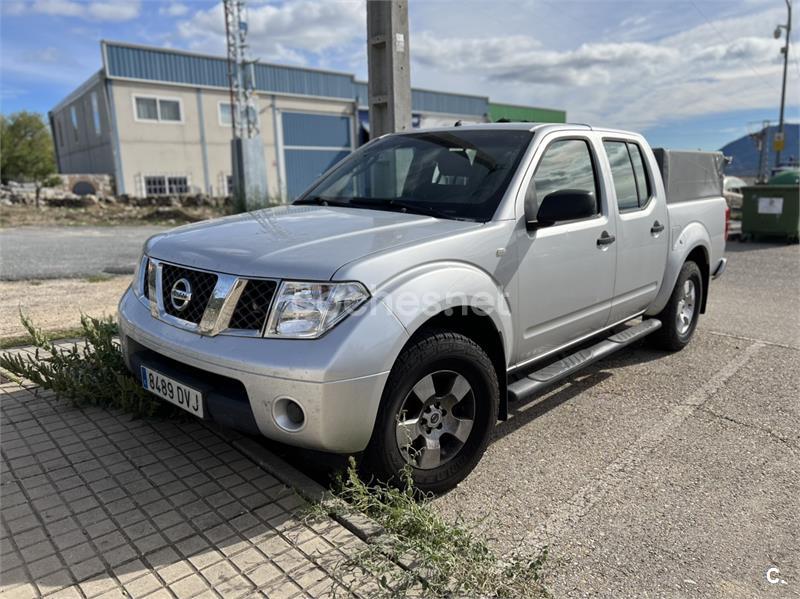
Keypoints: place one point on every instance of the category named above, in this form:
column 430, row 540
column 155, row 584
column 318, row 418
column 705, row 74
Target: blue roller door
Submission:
column 312, row 143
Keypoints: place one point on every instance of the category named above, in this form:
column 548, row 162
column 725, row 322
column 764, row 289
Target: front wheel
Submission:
column 679, row 317
column 437, row 411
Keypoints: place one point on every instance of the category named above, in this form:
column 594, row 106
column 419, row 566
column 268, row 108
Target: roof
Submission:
column 545, row 127
column 178, row 67
column 515, row 112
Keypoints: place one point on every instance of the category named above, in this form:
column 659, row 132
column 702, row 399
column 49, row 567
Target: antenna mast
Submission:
column 249, row 169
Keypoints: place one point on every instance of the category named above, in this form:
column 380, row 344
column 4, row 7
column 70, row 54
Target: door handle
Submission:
column 656, row 228
column 605, row 239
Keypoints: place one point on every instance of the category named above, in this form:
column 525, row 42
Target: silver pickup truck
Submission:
column 422, row 284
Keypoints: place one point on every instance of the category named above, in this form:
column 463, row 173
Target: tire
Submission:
column 674, row 335
column 420, row 405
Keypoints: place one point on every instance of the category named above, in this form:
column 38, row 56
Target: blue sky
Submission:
column 688, row 73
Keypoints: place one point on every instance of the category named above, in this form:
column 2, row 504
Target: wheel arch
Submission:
column 699, row 255
column 478, row 326
column 693, row 243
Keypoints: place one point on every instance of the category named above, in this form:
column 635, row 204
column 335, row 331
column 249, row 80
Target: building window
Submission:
column 225, row 115
column 178, row 185
column 155, row 186
column 159, row 185
column 158, row 109
column 59, row 132
column 169, row 110
column 95, row 113
column 73, row 115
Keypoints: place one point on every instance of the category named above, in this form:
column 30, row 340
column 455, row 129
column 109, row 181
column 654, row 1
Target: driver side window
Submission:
column 566, row 165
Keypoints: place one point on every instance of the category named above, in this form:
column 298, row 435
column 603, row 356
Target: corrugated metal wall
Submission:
column 312, row 143
column 304, row 129
column 155, row 64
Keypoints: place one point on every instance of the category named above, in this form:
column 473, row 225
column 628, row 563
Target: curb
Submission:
column 360, row 525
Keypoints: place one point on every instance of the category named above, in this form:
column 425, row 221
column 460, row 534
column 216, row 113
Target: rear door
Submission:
column 642, row 228
column 566, row 271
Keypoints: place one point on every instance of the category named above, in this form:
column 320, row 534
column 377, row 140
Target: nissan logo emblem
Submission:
column 181, row 294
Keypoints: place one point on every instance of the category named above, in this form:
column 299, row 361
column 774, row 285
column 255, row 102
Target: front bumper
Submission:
column 337, row 379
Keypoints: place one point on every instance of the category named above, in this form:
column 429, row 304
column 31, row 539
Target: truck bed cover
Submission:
column 690, row 175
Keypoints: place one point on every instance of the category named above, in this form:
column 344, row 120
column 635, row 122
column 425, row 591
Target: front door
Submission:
column 566, row 271
column 642, row 231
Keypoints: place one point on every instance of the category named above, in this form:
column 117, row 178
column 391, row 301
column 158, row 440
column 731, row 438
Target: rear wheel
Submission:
column 679, row 317
column 436, row 414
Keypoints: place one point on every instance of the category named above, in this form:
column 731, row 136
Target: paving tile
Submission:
column 142, row 585
column 191, row 586
column 237, row 586
column 54, row 581
column 119, row 555
column 174, row 572
column 98, row 585
column 85, row 569
column 98, row 504
column 129, row 571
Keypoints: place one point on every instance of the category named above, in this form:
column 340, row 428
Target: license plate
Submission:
column 173, row 391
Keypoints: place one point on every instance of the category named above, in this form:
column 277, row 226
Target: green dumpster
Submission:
column 772, row 210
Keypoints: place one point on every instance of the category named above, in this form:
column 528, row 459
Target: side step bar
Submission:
column 552, row 373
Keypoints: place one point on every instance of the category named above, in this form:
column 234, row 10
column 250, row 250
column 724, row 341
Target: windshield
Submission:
column 450, row 174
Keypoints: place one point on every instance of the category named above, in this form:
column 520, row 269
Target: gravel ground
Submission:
column 669, row 475
column 56, row 304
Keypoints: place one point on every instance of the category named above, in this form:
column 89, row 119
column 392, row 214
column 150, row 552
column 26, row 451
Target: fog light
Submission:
column 288, row 414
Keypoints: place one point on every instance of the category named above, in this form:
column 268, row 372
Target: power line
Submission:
column 719, row 33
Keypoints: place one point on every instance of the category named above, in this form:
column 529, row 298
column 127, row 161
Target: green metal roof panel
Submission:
column 530, row 114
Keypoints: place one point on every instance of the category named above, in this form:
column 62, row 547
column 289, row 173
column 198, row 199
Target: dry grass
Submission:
column 56, row 305
column 104, row 215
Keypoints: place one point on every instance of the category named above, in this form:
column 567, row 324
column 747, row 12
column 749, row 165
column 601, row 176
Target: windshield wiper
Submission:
column 417, row 208
column 399, row 205
column 319, row 201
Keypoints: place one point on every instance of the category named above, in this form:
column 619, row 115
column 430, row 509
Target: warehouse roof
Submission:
column 178, row 67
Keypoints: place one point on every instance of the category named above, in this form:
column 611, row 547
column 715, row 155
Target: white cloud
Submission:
column 116, row 10
column 174, row 9
column 284, row 32
column 717, row 66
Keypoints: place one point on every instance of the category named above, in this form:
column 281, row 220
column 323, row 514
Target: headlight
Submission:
column 139, row 282
column 305, row 310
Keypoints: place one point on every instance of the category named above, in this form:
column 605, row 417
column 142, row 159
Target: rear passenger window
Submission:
column 622, row 173
column 566, row 164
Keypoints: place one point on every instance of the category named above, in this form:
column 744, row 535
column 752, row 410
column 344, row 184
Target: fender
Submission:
column 682, row 244
column 420, row 293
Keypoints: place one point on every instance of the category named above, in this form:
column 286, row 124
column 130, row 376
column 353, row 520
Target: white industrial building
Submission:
column 159, row 121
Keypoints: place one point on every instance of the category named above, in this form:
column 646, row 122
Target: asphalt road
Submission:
column 664, row 475
column 66, row 252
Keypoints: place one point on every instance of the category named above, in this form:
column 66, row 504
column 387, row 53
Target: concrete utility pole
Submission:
column 389, row 66
column 249, row 170
column 779, row 139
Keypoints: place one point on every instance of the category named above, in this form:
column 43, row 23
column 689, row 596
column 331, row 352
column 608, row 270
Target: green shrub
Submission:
column 442, row 559
column 90, row 373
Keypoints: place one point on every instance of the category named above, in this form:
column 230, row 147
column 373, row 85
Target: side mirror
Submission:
column 564, row 205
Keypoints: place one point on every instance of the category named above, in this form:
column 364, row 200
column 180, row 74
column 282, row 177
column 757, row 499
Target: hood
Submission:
column 300, row 242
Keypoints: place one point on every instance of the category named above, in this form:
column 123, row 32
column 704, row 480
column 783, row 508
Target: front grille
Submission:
column 202, row 284
column 251, row 311
column 146, row 280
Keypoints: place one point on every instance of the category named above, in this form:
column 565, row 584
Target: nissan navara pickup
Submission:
column 425, row 282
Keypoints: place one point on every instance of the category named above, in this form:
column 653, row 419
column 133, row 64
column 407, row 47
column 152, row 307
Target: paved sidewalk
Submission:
column 98, row 504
